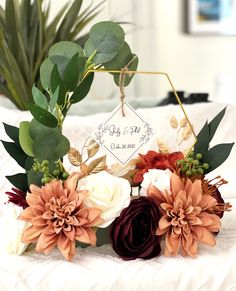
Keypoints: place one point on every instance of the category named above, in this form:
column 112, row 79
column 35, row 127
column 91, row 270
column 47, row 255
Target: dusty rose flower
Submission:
column 186, row 220
column 59, row 217
column 154, row 160
column 133, row 232
column 17, row 197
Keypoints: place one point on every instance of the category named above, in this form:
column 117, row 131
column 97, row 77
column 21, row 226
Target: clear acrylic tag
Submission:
column 123, row 136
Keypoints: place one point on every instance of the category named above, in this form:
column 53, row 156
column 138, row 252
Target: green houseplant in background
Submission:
column 26, row 36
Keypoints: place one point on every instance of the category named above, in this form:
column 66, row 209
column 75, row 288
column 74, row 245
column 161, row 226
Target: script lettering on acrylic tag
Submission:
column 123, row 136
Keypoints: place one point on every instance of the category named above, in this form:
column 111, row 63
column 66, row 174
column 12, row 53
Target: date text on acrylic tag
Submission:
column 123, row 136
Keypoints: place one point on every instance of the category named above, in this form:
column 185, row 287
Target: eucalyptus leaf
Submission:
column 53, row 99
column 25, row 139
column 55, row 82
column 81, row 66
column 66, row 48
column 82, row 90
column 39, row 98
column 45, row 73
column 37, row 128
column 72, row 73
column 98, row 57
column 42, row 115
column 217, row 155
column 48, row 140
column 61, row 63
column 105, row 38
column 128, row 77
column 121, row 59
column 55, row 79
column 12, row 132
column 19, row 181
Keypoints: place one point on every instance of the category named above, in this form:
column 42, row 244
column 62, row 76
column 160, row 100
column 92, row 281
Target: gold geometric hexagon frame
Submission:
column 130, row 72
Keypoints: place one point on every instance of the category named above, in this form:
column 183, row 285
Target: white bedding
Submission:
column 99, row 268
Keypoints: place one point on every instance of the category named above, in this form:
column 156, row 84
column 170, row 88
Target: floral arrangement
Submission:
column 176, row 208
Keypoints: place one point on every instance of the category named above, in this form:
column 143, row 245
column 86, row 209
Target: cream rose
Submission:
column 106, row 192
column 158, row 178
column 11, row 230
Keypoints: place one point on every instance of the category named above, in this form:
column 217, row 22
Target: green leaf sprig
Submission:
column 204, row 157
column 38, row 145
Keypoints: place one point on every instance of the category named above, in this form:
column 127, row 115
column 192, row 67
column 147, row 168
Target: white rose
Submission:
column 158, row 178
column 106, row 192
column 11, row 230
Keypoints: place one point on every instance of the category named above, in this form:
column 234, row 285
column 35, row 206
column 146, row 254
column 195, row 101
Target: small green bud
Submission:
column 47, row 180
column 193, row 171
column 191, row 154
column 56, row 173
column 45, row 163
column 184, row 168
column 180, row 162
column 44, row 169
column 196, row 162
column 188, row 173
column 199, row 156
column 206, row 166
column 43, row 180
column 200, row 171
column 190, row 160
column 65, row 175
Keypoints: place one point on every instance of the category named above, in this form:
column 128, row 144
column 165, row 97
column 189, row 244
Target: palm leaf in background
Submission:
column 26, row 36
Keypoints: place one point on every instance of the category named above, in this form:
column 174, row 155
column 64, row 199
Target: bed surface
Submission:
column 99, row 268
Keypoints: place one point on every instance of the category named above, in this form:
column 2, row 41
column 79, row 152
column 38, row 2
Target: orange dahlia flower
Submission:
column 58, row 217
column 186, row 220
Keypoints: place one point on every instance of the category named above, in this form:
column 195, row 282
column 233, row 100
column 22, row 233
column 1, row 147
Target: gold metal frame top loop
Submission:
column 129, row 72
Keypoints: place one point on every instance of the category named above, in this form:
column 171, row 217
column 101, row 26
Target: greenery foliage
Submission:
column 216, row 155
column 26, row 36
column 39, row 146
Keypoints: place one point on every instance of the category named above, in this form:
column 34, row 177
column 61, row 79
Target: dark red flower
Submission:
column 17, row 197
column 221, row 206
column 154, row 160
column 212, row 189
column 133, row 233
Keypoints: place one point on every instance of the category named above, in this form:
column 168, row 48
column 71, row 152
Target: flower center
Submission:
column 177, row 217
column 61, row 214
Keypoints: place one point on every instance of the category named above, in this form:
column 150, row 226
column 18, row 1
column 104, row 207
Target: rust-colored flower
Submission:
column 154, row 160
column 186, row 220
column 58, row 217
